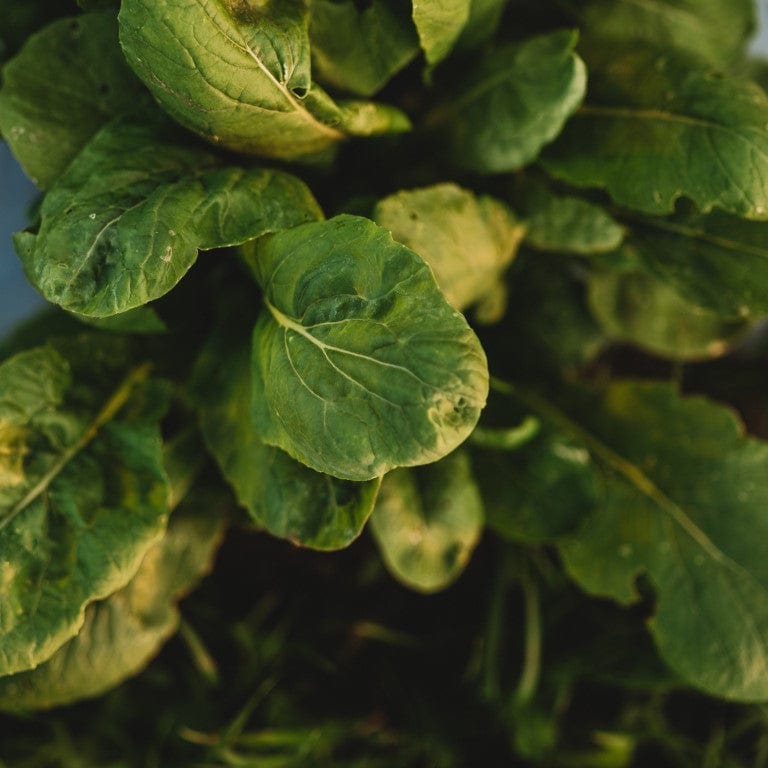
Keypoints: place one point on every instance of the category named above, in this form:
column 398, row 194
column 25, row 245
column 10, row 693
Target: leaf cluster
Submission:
column 471, row 274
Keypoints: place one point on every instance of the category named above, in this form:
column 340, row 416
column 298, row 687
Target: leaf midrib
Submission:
column 107, row 413
column 626, row 469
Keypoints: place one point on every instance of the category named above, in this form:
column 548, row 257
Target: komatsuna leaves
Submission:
column 634, row 306
column 122, row 633
column 716, row 261
column 359, row 363
column 439, row 24
column 125, row 222
column 685, row 505
column 513, row 102
column 655, row 130
column 427, row 522
column 67, row 82
column 468, row 241
column 712, row 32
column 238, row 74
column 83, row 493
column 281, row 495
column 566, row 223
column 359, row 49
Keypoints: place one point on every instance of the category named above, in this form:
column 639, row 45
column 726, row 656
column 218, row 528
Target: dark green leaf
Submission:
column 283, row 496
column 712, row 31
column 427, row 521
column 636, row 307
column 483, row 21
column 68, row 81
column 239, row 75
column 83, row 493
column 124, row 224
column 360, row 49
column 566, row 224
column 20, row 20
column 468, row 241
column 439, row 24
column 685, row 504
column 513, row 102
column 655, row 130
column 139, row 320
column 122, row 633
column 540, row 492
column 717, row 261
column 359, row 363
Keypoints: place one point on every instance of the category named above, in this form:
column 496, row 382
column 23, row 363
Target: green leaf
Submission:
column 360, row 49
column 566, row 224
column 239, row 75
column 439, row 24
column 684, row 505
column 122, row 633
column 512, row 103
column 125, row 222
column 655, row 130
column 427, row 522
column 281, row 495
column 83, row 493
column 20, row 20
column 67, row 81
column 635, row 307
column 716, row 261
column 468, row 241
column 540, row 492
column 713, row 32
column 139, row 320
column 359, row 363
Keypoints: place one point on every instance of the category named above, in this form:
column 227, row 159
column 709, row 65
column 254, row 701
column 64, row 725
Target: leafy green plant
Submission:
column 467, row 296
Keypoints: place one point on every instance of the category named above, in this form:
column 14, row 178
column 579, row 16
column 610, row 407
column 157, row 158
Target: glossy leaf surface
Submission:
column 126, row 221
column 685, row 505
column 468, row 241
column 248, row 85
column 513, row 102
column 282, row 495
column 82, row 491
column 427, row 521
column 359, row 363
column 359, row 49
column 122, row 633
column 67, row 82
column 655, row 130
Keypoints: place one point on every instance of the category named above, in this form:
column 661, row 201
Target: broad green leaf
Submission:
column 427, row 522
column 685, row 505
column 125, row 222
column 566, row 224
column 281, row 495
column 634, row 306
column 540, row 492
column 238, row 74
column 468, row 241
column 655, row 130
column 359, row 49
column 67, row 81
column 512, row 103
column 359, row 363
column 122, row 633
column 712, row 31
column 83, row 493
column 548, row 317
column 439, row 24
column 716, row 261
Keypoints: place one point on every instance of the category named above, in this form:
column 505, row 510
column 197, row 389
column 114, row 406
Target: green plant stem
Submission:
column 529, row 676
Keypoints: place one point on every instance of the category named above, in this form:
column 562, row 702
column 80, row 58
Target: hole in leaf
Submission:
column 299, row 92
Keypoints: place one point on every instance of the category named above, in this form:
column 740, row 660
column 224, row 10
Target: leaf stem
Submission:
column 108, row 412
column 529, row 676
